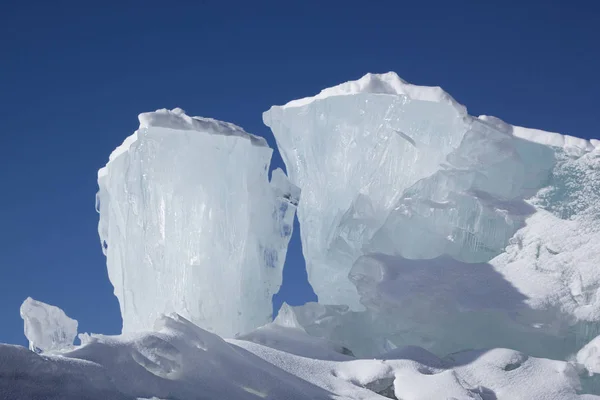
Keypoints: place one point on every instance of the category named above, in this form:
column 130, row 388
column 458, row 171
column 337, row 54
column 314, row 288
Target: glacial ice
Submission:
column 190, row 223
column 47, row 327
column 451, row 231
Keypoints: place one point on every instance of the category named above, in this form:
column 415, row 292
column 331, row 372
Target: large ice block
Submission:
column 445, row 227
column 190, row 223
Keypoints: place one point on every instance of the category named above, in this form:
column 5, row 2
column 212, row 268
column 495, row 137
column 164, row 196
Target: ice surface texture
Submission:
column 47, row 327
column 190, row 224
column 442, row 225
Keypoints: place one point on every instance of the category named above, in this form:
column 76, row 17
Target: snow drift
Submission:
column 178, row 360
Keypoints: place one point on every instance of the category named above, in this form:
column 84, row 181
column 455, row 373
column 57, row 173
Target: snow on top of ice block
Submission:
column 543, row 137
column 388, row 83
column 177, row 119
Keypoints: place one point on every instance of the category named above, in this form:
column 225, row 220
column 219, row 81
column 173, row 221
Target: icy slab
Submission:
column 47, row 327
column 190, row 223
column 440, row 225
column 346, row 156
column 180, row 360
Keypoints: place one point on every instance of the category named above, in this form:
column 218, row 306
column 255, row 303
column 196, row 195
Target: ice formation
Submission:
column 47, row 327
column 190, row 223
column 426, row 232
column 451, row 231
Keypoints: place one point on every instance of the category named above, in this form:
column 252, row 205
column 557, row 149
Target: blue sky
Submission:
column 74, row 76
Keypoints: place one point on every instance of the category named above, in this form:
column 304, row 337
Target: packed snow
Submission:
column 178, row 360
column 454, row 257
column 47, row 327
column 190, row 223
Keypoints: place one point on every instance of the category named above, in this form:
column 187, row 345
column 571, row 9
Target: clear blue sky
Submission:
column 74, row 76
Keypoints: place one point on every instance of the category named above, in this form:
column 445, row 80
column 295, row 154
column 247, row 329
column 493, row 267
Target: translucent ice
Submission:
column 440, row 224
column 47, row 327
column 190, row 224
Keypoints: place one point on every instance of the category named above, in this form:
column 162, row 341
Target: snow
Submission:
column 190, row 223
column 47, row 327
column 177, row 359
column 388, row 83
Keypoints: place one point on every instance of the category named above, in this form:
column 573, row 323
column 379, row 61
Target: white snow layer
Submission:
column 450, row 231
column 47, row 327
column 190, row 223
column 178, row 360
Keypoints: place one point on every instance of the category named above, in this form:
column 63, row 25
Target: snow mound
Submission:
column 190, row 223
column 178, row 360
column 47, row 327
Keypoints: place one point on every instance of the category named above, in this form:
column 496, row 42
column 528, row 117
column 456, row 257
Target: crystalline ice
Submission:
column 452, row 231
column 190, row 224
column 47, row 327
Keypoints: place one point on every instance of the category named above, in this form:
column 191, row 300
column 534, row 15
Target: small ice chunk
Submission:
column 47, row 327
column 589, row 356
column 287, row 318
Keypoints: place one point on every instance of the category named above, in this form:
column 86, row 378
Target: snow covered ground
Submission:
column 178, row 360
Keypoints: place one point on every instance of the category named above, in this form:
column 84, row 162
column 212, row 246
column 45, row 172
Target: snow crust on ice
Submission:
column 179, row 120
column 391, row 84
column 47, row 327
column 423, row 225
column 190, row 223
column 388, row 83
column 178, row 360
